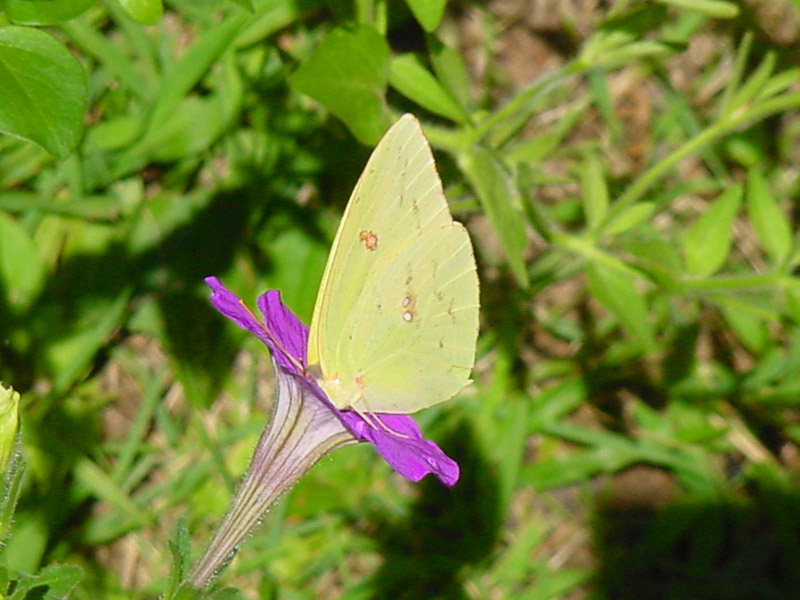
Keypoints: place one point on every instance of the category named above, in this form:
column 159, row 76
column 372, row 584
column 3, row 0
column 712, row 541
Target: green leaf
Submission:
column 196, row 124
column 180, row 549
column 717, row 9
column 195, row 63
column 767, row 219
column 348, row 73
column 409, row 77
column 246, row 4
column 500, row 200
column 147, row 12
column 22, row 270
column 747, row 326
column 54, row 582
column 44, row 94
column 629, row 217
column 427, row 12
column 174, row 88
column 658, row 259
column 71, row 355
column 708, row 241
column 594, row 192
column 44, row 12
column 450, row 69
column 615, row 289
column 791, row 293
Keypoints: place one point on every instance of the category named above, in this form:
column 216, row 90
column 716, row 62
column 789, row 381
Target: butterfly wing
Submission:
column 396, row 318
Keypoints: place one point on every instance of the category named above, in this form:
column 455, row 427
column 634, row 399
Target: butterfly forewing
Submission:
column 396, row 318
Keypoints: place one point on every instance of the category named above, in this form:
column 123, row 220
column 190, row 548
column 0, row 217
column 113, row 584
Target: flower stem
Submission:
column 300, row 432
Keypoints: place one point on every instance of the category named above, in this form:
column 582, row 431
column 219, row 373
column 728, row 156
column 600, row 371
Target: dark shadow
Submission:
column 726, row 547
column 446, row 530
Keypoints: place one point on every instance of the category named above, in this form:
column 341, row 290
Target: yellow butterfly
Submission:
column 396, row 318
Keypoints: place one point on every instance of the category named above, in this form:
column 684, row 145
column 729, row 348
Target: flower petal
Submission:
column 402, row 446
column 226, row 302
column 289, row 331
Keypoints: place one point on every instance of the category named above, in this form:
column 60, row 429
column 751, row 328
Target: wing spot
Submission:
column 409, row 303
column 370, row 240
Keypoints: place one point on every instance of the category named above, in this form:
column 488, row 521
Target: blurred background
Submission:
column 628, row 172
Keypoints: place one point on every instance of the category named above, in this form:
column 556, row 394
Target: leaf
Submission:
column 791, row 293
column 594, row 192
column 180, row 550
column 147, row 12
column 747, row 326
column 629, row 217
column 246, row 4
column 348, row 73
column 44, row 12
column 45, row 92
column 22, row 270
column 71, row 355
column 717, row 9
column 54, row 582
column 427, row 12
column 767, row 219
column 708, row 241
column 450, row 69
column 409, row 77
column 500, row 199
column 196, row 124
column 658, row 259
column 615, row 290
column 186, row 73
column 176, row 85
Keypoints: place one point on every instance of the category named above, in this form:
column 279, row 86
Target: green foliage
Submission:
column 348, row 73
column 629, row 197
column 44, row 12
column 44, row 90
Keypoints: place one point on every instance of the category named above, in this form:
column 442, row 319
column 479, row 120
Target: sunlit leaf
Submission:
column 22, row 270
column 427, row 12
column 615, row 290
column 147, row 12
column 44, row 12
column 767, row 219
column 348, row 74
column 44, row 94
column 708, row 242
column 500, row 200
column 409, row 77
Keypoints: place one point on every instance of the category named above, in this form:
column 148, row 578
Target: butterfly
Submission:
column 395, row 323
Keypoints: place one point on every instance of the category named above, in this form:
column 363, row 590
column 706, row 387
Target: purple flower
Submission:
column 303, row 428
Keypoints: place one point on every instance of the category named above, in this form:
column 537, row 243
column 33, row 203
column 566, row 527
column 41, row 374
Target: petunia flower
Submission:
column 304, row 427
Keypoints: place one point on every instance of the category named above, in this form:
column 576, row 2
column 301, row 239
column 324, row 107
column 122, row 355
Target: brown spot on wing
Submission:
column 370, row 240
column 409, row 304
